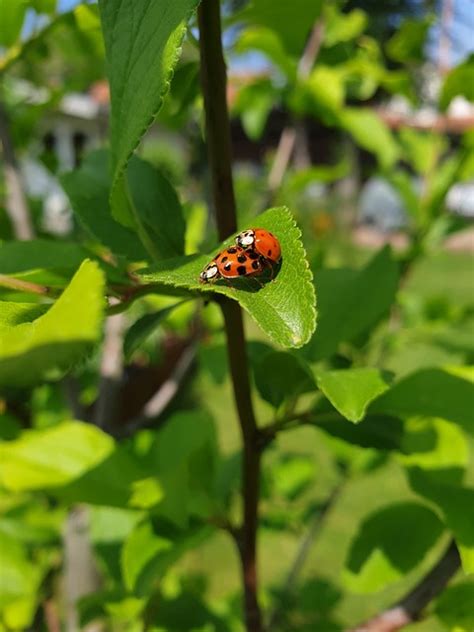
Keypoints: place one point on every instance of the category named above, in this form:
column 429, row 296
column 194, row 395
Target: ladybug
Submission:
column 262, row 242
column 232, row 263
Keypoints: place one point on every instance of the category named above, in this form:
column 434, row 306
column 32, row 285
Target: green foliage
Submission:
column 380, row 555
column 455, row 607
column 143, row 328
column 136, row 36
column 30, row 351
column 459, row 81
column 283, row 308
column 280, row 376
column 352, row 390
column 13, row 14
column 407, row 45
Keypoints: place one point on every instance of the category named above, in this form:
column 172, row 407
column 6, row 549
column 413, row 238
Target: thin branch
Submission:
column 412, row 605
column 213, row 78
column 16, row 204
column 13, row 283
column 111, row 371
column 289, row 134
column 315, row 526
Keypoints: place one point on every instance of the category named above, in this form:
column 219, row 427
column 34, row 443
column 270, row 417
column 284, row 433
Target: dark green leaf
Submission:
column 380, row 554
column 284, row 308
column 408, row 43
column 280, row 376
column 20, row 256
column 144, row 327
column 88, row 189
column 374, row 431
column 455, row 606
column 459, row 81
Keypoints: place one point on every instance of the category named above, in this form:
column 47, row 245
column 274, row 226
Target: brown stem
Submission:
column 213, row 78
column 15, row 203
column 288, row 137
column 411, row 606
column 24, row 286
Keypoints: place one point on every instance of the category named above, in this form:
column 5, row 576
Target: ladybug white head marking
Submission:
column 246, row 239
column 209, row 273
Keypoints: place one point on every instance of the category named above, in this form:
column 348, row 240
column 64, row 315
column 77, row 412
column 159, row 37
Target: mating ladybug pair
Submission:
column 256, row 249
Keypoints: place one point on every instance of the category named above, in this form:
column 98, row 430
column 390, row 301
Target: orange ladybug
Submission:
column 262, row 242
column 232, row 263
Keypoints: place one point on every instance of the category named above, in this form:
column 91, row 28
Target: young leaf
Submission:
column 390, row 543
column 280, row 375
column 88, row 189
column 431, row 393
column 350, row 391
column 339, row 294
column 60, row 337
column 142, row 41
column 284, row 308
column 52, row 457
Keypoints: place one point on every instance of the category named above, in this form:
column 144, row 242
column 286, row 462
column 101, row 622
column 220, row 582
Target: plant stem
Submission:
column 24, row 286
column 213, row 78
column 15, row 203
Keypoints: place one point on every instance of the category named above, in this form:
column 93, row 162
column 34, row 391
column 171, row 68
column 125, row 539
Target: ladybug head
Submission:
column 209, row 273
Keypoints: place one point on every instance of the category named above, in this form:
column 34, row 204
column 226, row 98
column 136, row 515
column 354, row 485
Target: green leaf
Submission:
column 284, row 308
column 291, row 21
column 370, row 132
column 350, row 391
column 280, row 376
column 52, row 457
column 291, row 475
column 12, row 314
column 88, row 189
column 144, row 327
column 40, row 254
column 13, row 14
column 374, row 431
column 379, row 555
column 157, row 207
column 431, row 393
column 267, row 42
column 31, row 350
column 459, row 81
column 408, row 43
column 343, row 27
column 142, row 41
column 455, row 606
column 340, row 318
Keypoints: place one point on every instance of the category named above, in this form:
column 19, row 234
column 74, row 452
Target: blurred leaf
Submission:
column 455, row 605
column 390, row 543
column 157, row 209
column 142, row 42
column 291, row 475
column 342, row 27
column 431, row 393
column 30, row 350
column 291, row 22
column 404, row 185
column 12, row 314
column 408, row 43
column 88, row 188
column 20, row 256
column 374, row 431
column 340, row 293
column 266, row 41
column 458, row 81
column 350, row 391
column 52, row 457
column 280, row 376
column 321, row 95
column 422, row 149
column 370, row 132
column 284, row 308
column 13, row 14
column 254, row 103
column 143, row 328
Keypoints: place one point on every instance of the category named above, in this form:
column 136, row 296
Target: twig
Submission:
column 24, row 286
column 111, row 370
column 15, row 204
column 411, row 606
column 213, row 78
column 289, row 134
column 307, row 542
column 162, row 398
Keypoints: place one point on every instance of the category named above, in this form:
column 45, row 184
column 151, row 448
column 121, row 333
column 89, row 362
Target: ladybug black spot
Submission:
column 269, row 253
column 241, row 258
column 228, row 266
column 252, row 255
column 241, row 270
column 255, row 265
column 224, row 259
column 232, row 251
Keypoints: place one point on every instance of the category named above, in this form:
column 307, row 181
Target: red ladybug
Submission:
column 232, row 263
column 262, row 242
